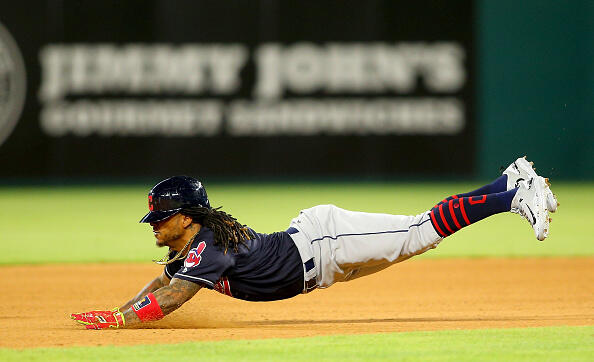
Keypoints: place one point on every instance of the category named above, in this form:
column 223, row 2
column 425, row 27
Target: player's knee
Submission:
column 419, row 240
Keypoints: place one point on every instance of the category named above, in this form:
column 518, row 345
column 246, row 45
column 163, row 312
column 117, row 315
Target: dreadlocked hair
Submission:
column 228, row 233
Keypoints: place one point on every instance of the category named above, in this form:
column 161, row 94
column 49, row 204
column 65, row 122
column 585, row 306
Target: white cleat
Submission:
column 521, row 169
column 530, row 202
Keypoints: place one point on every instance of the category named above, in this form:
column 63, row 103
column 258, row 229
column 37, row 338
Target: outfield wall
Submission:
column 375, row 89
column 536, row 85
column 254, row 88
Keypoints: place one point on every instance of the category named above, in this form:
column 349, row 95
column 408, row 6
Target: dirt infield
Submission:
column 414, row 295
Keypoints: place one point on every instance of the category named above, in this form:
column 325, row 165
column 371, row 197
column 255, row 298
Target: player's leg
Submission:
column 350, row 244
column 517, row 171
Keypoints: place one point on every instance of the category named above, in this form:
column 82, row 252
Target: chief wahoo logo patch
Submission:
column 194, row 256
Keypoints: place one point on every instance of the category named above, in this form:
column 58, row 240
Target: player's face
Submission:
column 168, row 231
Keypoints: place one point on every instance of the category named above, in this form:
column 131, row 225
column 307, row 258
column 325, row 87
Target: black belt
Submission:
column 310, row 285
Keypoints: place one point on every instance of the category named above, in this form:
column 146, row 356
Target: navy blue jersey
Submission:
column 269, row 268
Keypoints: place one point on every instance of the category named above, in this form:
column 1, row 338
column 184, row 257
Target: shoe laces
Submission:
column 522, row 205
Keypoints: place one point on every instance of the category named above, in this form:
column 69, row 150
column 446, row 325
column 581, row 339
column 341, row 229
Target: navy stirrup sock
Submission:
column 499, row 185
column 450, row 216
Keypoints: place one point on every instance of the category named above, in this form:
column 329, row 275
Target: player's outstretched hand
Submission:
column 100, row 319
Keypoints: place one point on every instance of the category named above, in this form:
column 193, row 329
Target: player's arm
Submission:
column 159, row 282
column 152, row 306
column 167, row 298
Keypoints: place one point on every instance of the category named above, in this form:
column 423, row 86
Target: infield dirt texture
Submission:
column 413, row 295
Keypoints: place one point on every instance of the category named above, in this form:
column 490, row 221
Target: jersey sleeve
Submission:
column 171, row 269
column 205, row 264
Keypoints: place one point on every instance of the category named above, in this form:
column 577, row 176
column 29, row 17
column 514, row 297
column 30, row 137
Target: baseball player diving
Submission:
column 323, row 245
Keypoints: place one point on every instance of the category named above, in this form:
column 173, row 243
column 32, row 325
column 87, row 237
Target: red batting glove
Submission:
column 100, row 319
column 84, row 317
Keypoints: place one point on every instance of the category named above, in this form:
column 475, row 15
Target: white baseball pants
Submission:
column 345, row 245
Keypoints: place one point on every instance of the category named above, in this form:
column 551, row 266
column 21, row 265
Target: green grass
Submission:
column 527, row 344
column 100, row 223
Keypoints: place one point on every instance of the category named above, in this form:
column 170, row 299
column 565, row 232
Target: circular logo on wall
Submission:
column 12, row 83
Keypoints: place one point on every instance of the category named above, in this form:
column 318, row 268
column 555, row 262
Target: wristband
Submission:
column 119, row 317
column 148, row 309
column 117, row 312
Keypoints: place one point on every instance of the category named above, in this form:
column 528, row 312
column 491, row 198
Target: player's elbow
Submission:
column 163, row 279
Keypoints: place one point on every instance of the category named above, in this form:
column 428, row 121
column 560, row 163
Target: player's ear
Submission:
column 186, row 221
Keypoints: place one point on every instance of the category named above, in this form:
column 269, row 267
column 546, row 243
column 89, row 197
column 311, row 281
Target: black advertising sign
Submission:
column 241, row 88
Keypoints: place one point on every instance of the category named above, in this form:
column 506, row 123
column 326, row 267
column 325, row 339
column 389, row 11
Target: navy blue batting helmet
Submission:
column 169, row 196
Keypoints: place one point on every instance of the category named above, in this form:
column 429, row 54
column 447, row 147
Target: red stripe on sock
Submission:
column 464, row 211
column 451, row 205
column 444, row 220
column 454, row 196
column 437, row 226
